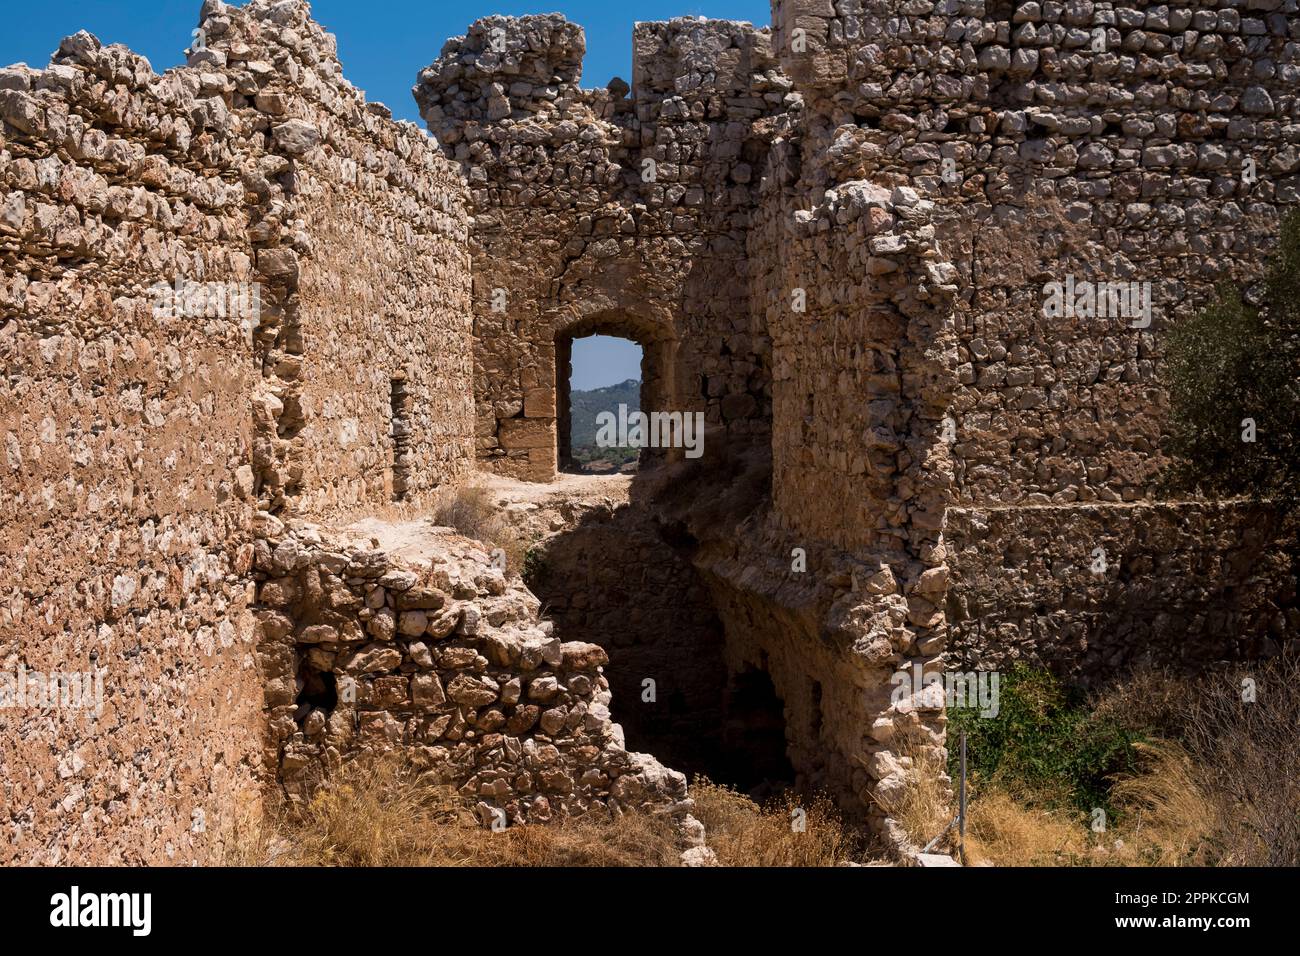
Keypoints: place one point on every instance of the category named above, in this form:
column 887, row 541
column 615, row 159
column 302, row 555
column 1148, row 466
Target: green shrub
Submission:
column 1045, row 741
column 535, row 566
column 1231, row 362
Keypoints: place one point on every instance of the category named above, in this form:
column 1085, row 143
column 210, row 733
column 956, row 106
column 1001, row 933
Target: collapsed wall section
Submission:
column 441, row 655
column 618, row 577
column 596, row 211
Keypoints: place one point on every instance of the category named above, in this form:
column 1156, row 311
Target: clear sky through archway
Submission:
column 602, row 360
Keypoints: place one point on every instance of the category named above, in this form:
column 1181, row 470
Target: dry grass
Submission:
column 471, row 510
column 1166, row 819
column 1004, row 831
column 744, row 833
column 927, row 806
column 387, row 814
column 1246, row 754
column 1218, row 780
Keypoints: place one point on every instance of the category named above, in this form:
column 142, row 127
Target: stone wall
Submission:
column 946, row 161
column 445, row 657
column 1111, row 143
column 126, row 496
column 136, row 480
column 835, row 239
column 360, row 228
column 892, row 213
column 1096, row 589
column 604, row 212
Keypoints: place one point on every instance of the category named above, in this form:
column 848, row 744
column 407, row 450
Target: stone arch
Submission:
column 596, row 316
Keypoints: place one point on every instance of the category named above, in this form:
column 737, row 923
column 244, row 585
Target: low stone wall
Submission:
column 445, row 658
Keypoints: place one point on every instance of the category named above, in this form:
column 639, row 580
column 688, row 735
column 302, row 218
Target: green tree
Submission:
column 1234, row 365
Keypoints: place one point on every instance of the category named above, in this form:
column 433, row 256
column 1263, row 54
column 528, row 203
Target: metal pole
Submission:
column 961, row 807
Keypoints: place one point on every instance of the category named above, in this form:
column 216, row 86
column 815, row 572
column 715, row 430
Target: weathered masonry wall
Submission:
column 1179, row 585
column 367, row 384
column 604, row 212
column 360, row 227
column 126, row 496
column 1152, row 143
column 948, row 161
column 136, row 481
column 893, row 209
column 445, row 657
column 834, row 238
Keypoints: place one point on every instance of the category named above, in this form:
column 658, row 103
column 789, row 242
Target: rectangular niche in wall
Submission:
column 400, row 419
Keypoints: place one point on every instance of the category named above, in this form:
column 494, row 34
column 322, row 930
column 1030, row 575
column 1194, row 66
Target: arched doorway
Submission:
column 656, row 360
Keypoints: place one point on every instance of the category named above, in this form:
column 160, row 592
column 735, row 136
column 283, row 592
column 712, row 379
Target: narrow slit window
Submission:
column 400, row 428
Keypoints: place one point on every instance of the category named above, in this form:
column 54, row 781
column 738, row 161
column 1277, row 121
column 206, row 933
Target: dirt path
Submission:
column 565, row 486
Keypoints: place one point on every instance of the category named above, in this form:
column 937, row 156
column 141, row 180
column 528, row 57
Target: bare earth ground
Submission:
column 535, row 509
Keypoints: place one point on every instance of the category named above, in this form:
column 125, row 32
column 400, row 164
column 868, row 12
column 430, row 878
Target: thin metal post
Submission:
column 961, row 807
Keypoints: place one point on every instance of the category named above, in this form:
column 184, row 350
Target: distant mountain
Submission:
column 585, row 406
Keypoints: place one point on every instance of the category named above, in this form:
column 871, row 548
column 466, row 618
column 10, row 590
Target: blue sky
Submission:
column 601, row 360
column 383, row 45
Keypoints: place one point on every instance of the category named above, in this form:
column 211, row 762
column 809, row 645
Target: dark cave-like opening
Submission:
column 319, row 689
column 754, row 755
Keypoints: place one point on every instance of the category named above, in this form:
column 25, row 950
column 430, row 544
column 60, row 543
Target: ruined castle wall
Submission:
column 126, row 490
column 136, row 478
column 943, row 162
column 442, row 655
column 847, row 569
column 830, row 636
column 1103, row 142
column 857, row 300
column 596, row 212
column 1106, row 142
column 366, row 347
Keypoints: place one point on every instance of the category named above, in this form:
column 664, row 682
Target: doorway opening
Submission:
column 599, row 384
column 753, row 735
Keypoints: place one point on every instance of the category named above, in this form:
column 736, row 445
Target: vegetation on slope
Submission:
column 1160, row 769
column 585, row 406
